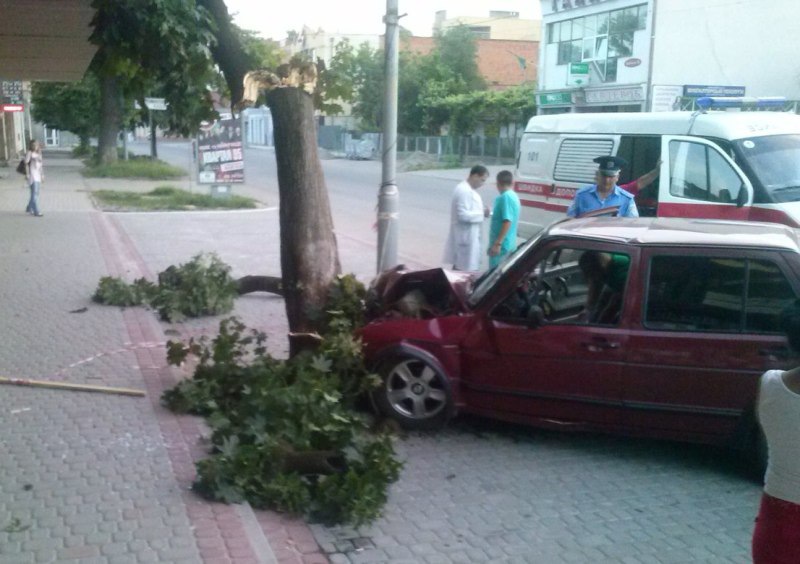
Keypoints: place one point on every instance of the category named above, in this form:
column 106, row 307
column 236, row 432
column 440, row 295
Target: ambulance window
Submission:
column 699, row 172
column 725, row 184
column 688, row 170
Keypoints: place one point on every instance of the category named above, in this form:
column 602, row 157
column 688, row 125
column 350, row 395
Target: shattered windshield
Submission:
column 775, row 161
column 488, row 279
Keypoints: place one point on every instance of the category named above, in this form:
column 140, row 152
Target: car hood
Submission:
column 422, row 294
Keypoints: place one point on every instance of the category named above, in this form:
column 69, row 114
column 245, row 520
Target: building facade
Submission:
column 501, row 62
column 497, row 25
column 661, row 55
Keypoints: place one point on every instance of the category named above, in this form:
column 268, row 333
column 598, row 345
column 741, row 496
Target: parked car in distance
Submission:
column 669, row 342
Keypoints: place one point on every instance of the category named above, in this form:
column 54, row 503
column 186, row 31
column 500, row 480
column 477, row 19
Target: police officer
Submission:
column 605, row 193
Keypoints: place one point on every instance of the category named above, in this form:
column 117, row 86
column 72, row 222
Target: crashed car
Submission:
column 690, row 322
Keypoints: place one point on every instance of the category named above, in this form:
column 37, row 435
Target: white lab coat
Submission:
column 463, row 249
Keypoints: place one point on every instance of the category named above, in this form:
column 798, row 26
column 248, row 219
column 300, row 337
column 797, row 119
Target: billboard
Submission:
column 219, row 152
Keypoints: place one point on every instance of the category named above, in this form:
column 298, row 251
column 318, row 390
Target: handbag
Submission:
column 21, row 167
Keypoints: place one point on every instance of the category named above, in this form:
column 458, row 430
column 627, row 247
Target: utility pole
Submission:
column 388, row 196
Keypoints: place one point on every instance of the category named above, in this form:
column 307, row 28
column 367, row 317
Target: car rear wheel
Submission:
column 414, row 393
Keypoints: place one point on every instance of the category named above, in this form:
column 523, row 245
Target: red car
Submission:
column 655, row 327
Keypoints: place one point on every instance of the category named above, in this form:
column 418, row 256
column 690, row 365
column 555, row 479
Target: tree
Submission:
column 309, row 255
column 68, row 106
column 146, row 42
column 491, row 109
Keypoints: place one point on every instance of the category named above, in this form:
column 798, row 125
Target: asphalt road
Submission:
column 353, row 189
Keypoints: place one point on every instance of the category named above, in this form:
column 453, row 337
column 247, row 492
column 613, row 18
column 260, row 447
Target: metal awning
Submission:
column 45, row 39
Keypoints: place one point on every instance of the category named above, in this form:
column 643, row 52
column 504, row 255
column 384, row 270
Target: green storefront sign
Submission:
column 554, row 98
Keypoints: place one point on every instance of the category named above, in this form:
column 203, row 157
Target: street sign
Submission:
column 555, row 98
column 11, row 107
column 578, row 74
column 10, row 91
column 155, row 104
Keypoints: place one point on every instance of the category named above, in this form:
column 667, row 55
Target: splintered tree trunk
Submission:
column 109, row 119
column 309, row 257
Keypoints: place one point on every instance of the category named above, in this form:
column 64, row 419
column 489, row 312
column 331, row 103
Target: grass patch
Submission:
column 135, row 168
column 167, row 198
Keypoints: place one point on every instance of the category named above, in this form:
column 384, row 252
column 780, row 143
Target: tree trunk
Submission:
column 109, row 119
column 227, row 49
column 153, row 148
column 309, row 256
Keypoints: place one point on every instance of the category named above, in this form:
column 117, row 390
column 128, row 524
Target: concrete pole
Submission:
column 388, row 196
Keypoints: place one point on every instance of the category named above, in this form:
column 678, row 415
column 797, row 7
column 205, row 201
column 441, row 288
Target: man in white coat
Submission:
column 467, row 212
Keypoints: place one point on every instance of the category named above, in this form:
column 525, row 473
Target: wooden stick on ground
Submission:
column 68, row 386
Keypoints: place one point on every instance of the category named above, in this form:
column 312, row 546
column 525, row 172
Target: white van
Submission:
column 721, row 165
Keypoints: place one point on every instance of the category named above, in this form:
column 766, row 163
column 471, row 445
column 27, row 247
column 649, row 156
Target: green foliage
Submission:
column 285, row 433
column 492, row 109
column 449, row 69
column 68, row 106
column 202, row 286
column 135, row 168
column 261, row 53
column 154, row 48
column 168, row 198
column 114, row 291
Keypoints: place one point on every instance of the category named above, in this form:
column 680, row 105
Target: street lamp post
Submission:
column 388, row 196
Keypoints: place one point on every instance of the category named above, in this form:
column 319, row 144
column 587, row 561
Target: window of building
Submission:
column 481, row 31
column 599, row 38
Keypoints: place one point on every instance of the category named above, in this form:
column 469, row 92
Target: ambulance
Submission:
column 734, row 164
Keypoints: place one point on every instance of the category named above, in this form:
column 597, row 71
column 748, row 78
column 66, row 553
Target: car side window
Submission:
column 698, row 172
column 571, row 285
column 768, row 295
column 721, row 294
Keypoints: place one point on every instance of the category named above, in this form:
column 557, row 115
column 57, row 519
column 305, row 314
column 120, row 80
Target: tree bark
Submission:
column 227, row 50
column 109, row 119
column 309, row 256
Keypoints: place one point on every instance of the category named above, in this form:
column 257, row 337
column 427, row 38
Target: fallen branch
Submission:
column 67, row 386
column 248, row 284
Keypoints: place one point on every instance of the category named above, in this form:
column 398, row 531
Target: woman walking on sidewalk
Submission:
column 776, row 539
column 34, row 174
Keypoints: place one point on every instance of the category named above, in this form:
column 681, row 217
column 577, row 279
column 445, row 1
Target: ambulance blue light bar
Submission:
column 740, row 101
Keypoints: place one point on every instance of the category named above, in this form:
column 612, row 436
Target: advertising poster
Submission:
column 219, row 152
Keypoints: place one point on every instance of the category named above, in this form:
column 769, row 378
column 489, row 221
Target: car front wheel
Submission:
column 414, row 393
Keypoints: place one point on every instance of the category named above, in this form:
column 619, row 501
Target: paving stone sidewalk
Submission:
column 99, row 478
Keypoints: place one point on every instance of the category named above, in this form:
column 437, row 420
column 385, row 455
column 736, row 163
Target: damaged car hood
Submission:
column 420, row 294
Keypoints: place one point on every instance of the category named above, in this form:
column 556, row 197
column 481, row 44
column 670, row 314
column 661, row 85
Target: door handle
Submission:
column 778, row 352
column 599, row 344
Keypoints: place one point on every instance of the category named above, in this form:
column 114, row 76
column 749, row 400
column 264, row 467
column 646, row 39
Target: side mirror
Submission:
column 741, row 199
column 535, row 318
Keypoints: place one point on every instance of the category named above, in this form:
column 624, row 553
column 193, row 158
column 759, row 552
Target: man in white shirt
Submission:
column 467, row 213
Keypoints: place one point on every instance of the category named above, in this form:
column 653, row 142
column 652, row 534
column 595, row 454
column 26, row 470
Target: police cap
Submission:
column 609, row 165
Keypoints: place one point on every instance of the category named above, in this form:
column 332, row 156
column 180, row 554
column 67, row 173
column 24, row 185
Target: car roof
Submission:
column 680, row 232
column 724, row 125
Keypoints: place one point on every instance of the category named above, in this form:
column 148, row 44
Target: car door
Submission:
column 700, row 180
column 709, row 329
column 566, row 370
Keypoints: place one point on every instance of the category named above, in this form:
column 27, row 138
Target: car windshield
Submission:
column 775, row 160
column 489, row 278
